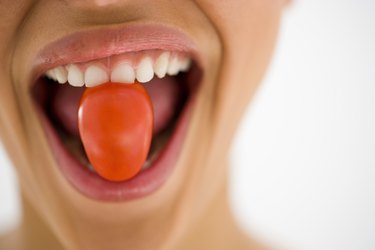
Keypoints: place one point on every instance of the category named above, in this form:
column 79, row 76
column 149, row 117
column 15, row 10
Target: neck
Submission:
column 217, row 229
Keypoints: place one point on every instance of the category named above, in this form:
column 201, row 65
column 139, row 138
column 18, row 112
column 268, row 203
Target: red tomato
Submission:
column 115, row 123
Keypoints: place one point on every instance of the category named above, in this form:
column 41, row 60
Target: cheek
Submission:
column 247, row 29
column 12, row 133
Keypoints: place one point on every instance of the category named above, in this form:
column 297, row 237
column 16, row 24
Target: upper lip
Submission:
column 98, row 43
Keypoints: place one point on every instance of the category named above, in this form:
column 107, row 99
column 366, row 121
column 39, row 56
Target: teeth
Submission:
column 185, row 64
column 51, row 74
column 173, row 67
column 95, row 75
column 144, row 72
column 125, row 71
column 61, row 74
column 75, row 76
column 161, row 65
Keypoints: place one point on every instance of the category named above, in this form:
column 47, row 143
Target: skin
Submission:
column 191, row 211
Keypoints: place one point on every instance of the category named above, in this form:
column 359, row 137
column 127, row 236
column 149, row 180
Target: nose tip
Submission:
column 96, row 12
column 92, row 3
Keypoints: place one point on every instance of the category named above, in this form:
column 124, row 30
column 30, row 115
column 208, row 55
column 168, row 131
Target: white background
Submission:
column 304, row 158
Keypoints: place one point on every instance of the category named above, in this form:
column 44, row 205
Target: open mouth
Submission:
column 171, row 78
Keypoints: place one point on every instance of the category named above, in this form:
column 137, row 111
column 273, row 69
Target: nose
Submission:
column 92, row 3
column 104, row 11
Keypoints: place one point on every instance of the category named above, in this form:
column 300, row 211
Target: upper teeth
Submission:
column 123, row 71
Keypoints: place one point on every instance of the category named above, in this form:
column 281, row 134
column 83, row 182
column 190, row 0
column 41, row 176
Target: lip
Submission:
column 107, row 42
column 103, row 42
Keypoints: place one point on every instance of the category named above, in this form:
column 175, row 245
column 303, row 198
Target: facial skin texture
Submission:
column 235, row 39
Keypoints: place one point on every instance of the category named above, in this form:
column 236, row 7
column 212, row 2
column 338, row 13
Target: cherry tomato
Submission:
column 115, row 123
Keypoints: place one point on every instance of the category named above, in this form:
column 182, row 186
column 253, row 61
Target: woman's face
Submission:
column 230, row 43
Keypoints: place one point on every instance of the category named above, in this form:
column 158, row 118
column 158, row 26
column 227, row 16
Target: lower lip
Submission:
column 143, row 184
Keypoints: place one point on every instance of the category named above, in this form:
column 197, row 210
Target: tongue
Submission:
column 115, row 124
column 165, row 95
